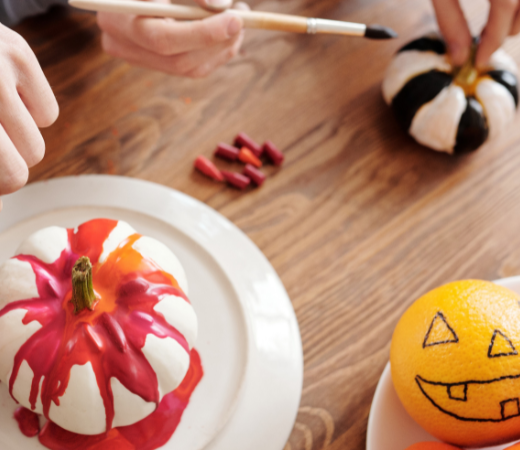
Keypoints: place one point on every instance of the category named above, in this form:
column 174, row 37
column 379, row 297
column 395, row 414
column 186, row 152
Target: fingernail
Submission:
column 218, row 4
column 234, row 26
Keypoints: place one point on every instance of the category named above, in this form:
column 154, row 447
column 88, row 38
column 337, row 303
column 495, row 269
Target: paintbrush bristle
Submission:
column 379, row 32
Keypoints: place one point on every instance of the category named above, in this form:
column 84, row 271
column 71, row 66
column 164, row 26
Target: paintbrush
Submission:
column 252, row 19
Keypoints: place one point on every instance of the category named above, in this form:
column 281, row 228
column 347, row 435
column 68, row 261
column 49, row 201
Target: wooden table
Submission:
column 359, row 222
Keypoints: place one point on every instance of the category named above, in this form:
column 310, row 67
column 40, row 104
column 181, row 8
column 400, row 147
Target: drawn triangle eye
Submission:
column 440, row 332
column 501, row 345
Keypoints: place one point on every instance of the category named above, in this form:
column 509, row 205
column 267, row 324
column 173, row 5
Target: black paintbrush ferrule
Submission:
column 379, row 32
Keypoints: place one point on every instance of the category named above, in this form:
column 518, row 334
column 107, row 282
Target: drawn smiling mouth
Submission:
column 475, row 401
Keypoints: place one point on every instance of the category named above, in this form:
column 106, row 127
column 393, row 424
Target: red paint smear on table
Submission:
column 27, row 421
column 148, row 434
column 110, row 337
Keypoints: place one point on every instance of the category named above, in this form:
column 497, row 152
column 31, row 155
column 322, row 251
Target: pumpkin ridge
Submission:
column 473, row 128
column 506, row 79
column 150, row 433
column 431, row 43
column 413, row 95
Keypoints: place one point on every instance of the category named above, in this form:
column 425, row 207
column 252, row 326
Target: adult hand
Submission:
column 26, row 103
column 503, row 21
column 192, row 49
column 217, row 5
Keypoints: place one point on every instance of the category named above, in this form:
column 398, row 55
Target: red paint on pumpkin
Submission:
column 27, row 421
column 128, row 286
column 148, row 434
column 90, row 236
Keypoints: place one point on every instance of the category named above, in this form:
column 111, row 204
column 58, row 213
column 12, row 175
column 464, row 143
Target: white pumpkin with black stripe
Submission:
column 442, row 109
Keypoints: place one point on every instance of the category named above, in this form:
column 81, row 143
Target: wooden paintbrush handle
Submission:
column 142, row 8
column 272, row 21
column 252, row 19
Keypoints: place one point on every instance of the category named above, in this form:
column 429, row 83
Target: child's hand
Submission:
column 503, row 21
column 192, row 49
column 26, row 103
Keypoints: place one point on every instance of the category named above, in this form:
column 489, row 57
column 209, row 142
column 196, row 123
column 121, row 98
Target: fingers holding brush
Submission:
column 178, row 48
column 192, row 64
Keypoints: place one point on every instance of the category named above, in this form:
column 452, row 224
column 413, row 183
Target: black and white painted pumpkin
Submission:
column 449, row 109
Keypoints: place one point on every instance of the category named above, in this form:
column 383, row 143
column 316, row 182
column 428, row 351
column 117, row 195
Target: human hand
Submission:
column 26, row 103
column 192, row 49
column 215, row 4
column 503, row 21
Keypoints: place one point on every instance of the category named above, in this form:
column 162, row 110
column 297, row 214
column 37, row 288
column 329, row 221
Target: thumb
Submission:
column 215, row 5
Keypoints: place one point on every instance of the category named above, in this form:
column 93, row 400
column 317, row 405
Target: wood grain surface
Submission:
column 360, row 220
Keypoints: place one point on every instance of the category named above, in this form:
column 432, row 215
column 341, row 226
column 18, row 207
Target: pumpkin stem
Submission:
column 467, row 74
column 83, row 295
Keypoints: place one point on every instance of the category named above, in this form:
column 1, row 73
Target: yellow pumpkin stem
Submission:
column 83, row 295
column 466, row 75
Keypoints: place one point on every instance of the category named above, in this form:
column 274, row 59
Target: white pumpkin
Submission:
column 110, row 363
column 450, row 109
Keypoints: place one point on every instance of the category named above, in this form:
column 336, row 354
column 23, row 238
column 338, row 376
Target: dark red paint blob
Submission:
column 148, row 434
column 27, row 421
column 111, row 336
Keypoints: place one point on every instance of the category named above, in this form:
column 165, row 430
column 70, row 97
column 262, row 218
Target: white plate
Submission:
column 389, row 425
column 249, row 339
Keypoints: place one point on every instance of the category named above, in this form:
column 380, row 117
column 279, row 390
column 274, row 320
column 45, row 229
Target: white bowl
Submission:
column 389, row 425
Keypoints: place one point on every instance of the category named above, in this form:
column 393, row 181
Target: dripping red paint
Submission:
column 110, row 338
column 27, row 421
column 149, row 434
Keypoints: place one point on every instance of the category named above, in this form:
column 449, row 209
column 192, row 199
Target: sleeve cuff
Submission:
column 13, row 11
column 4, row 18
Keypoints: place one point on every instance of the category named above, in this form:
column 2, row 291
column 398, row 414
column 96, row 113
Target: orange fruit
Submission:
column 514, row 447
column 432, row 446
column 456, row 365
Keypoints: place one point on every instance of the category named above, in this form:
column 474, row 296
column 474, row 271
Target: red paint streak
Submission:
column 110, row 337
column 89, row 239
column 27, row 421
column 148, row 434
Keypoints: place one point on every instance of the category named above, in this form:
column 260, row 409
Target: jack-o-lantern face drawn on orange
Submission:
column 456, row 364
column 441, row 394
